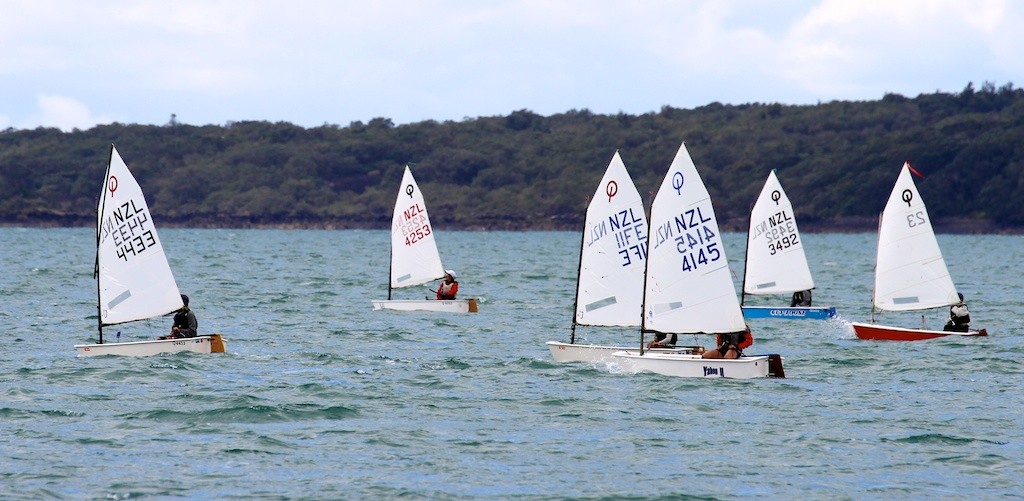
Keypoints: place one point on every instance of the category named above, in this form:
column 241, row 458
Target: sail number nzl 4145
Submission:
column 696, row 241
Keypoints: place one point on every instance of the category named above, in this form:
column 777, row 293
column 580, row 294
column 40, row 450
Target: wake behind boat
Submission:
column 688, row 288
column 910, row 273
column 133, row 279
column 414, row 256
column 610, row 279
column 775, row 262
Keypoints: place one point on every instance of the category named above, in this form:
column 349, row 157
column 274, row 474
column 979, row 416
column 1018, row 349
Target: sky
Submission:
column 75, row 64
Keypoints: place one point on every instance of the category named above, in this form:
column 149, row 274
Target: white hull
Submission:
column 445, row 305
column 695, row 366
column 199, row 344
column 593, row 353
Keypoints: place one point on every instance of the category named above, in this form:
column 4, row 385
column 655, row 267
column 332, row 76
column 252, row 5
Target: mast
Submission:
column 579, row 269
column 874, row 284
column 647, row 264
column 746, row 252
column 391, row 257
column 99, row 229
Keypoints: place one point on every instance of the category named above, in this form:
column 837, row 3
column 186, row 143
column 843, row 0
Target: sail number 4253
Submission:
column 416, row 235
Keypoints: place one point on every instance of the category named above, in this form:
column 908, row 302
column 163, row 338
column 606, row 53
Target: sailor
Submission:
column 959, row 317
column 448, row 287
column 801, row 298
column 185, row 323
column 731, row 344
column 662, row 340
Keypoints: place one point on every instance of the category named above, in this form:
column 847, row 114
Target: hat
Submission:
column 452, row 273
column 184, row 299
column 961, row 296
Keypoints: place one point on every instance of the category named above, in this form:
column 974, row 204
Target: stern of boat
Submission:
column 217, row 343
column 775, row 368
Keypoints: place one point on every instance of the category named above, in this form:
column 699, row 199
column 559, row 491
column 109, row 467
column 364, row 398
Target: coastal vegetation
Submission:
column 837, row 160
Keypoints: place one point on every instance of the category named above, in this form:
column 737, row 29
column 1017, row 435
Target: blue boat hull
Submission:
column 792, row 313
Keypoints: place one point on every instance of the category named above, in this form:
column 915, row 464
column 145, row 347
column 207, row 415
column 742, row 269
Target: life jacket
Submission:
column 742, row 340
column 447, row 290
column 959, row 315
column 181, row 319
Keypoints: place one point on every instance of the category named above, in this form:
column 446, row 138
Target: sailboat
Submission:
column 775, row 259
column 414, row 256
column 613, row 249
column 133, row 279
column 910, row 273
column 688, row 288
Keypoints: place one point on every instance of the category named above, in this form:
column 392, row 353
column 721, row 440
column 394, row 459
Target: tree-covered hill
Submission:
column 837, row 161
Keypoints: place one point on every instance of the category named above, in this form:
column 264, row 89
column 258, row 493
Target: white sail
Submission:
column 775, row 263
column 135, row 281
column 414, row 256
column 689, row 286
column 910, row 273
column 610, row 290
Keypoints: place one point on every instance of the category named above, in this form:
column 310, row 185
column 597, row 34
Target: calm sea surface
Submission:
column 320, row 397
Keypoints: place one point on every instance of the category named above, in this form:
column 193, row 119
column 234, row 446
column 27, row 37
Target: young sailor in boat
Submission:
column 801, row 298
column 731, row 345
column 662, row 340
column 448, row 287
column 959, row 317
column 185, row 323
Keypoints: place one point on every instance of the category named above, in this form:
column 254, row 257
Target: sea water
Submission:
column 320, row 397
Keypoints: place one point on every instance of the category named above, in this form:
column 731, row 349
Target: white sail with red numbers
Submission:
column 415, row 259
column 414, row 256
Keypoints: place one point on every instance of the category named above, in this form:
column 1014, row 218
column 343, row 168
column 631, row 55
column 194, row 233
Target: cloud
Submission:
column 63, row 113
column 320, row 61
column 841, row 48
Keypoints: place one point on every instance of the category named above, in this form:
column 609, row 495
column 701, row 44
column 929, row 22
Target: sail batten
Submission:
column 133, row 276
column 415, row 259
column 689, row 287
column 613, row 251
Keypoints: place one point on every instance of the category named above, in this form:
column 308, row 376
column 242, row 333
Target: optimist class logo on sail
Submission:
column 696, row 242
column 627, row 227
column 127, row 224
column 414, row 224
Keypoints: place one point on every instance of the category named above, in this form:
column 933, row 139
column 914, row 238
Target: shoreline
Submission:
column 958, row 226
